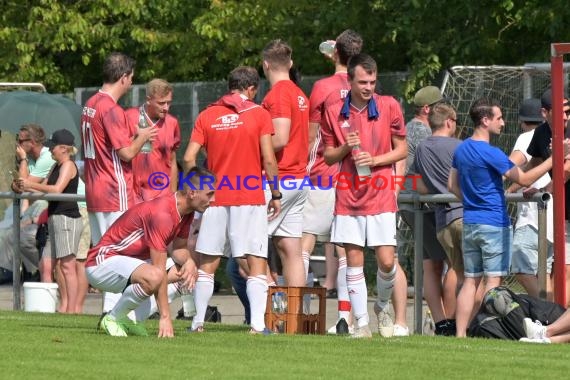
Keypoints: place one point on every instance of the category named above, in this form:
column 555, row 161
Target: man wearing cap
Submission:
column 539, row 149
column 434, row 256
column 525, row 238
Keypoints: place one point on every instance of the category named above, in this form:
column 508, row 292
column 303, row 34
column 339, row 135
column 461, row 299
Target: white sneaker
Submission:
column 362, row 332
column 534, row 330
column 401, row 331
column 537, row 340
column 385, row 324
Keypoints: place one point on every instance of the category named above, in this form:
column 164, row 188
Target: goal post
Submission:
column 558, row 50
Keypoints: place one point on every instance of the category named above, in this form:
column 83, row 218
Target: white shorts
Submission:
column 99, row 222
column 113, row 274
column 289, row 223
column 318, row 213
column 240, row 230
column 370, row 230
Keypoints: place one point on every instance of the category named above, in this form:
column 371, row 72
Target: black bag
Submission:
column 41, row 237
column 213, row 315
column 502, row 312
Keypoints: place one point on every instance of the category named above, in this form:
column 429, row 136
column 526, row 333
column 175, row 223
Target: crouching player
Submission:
column 131, row 256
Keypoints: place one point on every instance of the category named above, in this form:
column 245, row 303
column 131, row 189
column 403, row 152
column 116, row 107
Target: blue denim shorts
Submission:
column 525, row 251
column 487, row 250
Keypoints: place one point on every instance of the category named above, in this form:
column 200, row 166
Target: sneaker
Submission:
column 341, row 327
column 401, row 331
column 112, row 327
column 534, row 330
column 132, row 328
column 199, row 329
column 265, row 331
column 385, row 324
column 362, row 332
column 537, row 340
column 446, row 327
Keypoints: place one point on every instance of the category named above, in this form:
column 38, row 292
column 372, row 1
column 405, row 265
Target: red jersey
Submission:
column 230, row 130
column 159, row 159
column 335, row 86
column 286, row 100
column 108, row 179
column 376, row 130
column 153, row 224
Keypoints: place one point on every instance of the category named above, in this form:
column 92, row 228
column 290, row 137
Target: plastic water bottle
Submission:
column 327, row 47
column 362, row 170
column 147, row 146
column 429, row 324
column 279, row 302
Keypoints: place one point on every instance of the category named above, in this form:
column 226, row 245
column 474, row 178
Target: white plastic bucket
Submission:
column 40, row 296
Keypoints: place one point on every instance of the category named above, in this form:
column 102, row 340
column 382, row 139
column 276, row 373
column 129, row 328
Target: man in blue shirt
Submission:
column 476, row 178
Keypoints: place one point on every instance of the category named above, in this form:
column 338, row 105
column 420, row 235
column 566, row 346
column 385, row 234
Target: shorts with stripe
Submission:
column 113, row 274
column 365, row 230
column 241, row 230
column 64, row 234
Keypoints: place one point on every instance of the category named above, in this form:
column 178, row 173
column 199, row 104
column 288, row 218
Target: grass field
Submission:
column 50, row 346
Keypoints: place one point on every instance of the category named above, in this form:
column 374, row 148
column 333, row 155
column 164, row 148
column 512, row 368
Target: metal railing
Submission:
column 416, row 200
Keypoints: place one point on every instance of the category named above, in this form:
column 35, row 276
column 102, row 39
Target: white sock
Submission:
column 257, row 295
column 385, row 285
column 307, row 297
column 132, row 297
column 358, row 294
column 110, row 300
column 149, row 306
column 202, row 294
column 306, row 260
column 342, row 290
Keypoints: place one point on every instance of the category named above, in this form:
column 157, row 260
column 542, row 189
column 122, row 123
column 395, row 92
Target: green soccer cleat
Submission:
column 112, row 327
column 132, row 328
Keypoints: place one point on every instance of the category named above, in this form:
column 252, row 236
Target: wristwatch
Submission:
column 276, row 197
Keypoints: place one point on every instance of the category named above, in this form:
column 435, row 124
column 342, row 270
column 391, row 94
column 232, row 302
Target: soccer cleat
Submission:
column 132, row 328
column 265, row 331
column 534, row 330
column 385, row 324
column 341, row 327
column 401, row 331
column 362, row 332
column 112, row 327
column 537, row 340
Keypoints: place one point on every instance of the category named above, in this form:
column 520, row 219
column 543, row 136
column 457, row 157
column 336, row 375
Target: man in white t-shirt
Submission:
column 525, row 239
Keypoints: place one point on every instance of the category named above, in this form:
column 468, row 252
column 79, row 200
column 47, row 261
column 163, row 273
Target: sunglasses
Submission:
column 23, row 140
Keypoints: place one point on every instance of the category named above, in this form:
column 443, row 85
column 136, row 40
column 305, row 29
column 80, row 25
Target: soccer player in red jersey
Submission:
column 162, row 155
column 365, row 207
column 236, row 134
column 289, row 109
column 108, row 148
column 319, row 207
column 120, row 262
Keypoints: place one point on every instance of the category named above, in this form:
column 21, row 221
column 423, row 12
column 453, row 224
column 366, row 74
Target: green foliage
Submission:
column 62, row 43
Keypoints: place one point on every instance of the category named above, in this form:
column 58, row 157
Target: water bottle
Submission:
column 429, row 324
column 147, row 146
column 327, row 47
column 279, row 303
column 188, row 305
column 362, row 170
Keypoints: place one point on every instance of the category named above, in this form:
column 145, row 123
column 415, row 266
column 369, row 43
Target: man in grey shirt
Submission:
column 433, row 161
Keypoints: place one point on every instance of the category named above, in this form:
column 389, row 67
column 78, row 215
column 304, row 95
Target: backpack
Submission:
column 502, row 312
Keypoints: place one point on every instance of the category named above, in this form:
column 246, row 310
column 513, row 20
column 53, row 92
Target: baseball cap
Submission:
column 530, row 110
column 61, row 137
column 427, row 96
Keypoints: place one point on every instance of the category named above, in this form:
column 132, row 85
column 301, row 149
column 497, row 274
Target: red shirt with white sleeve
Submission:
column 158, row 160
column 104, row 131
column 353, row 197
column 153, row 224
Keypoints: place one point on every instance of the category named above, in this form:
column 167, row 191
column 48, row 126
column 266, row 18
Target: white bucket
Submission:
column 40, row 296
